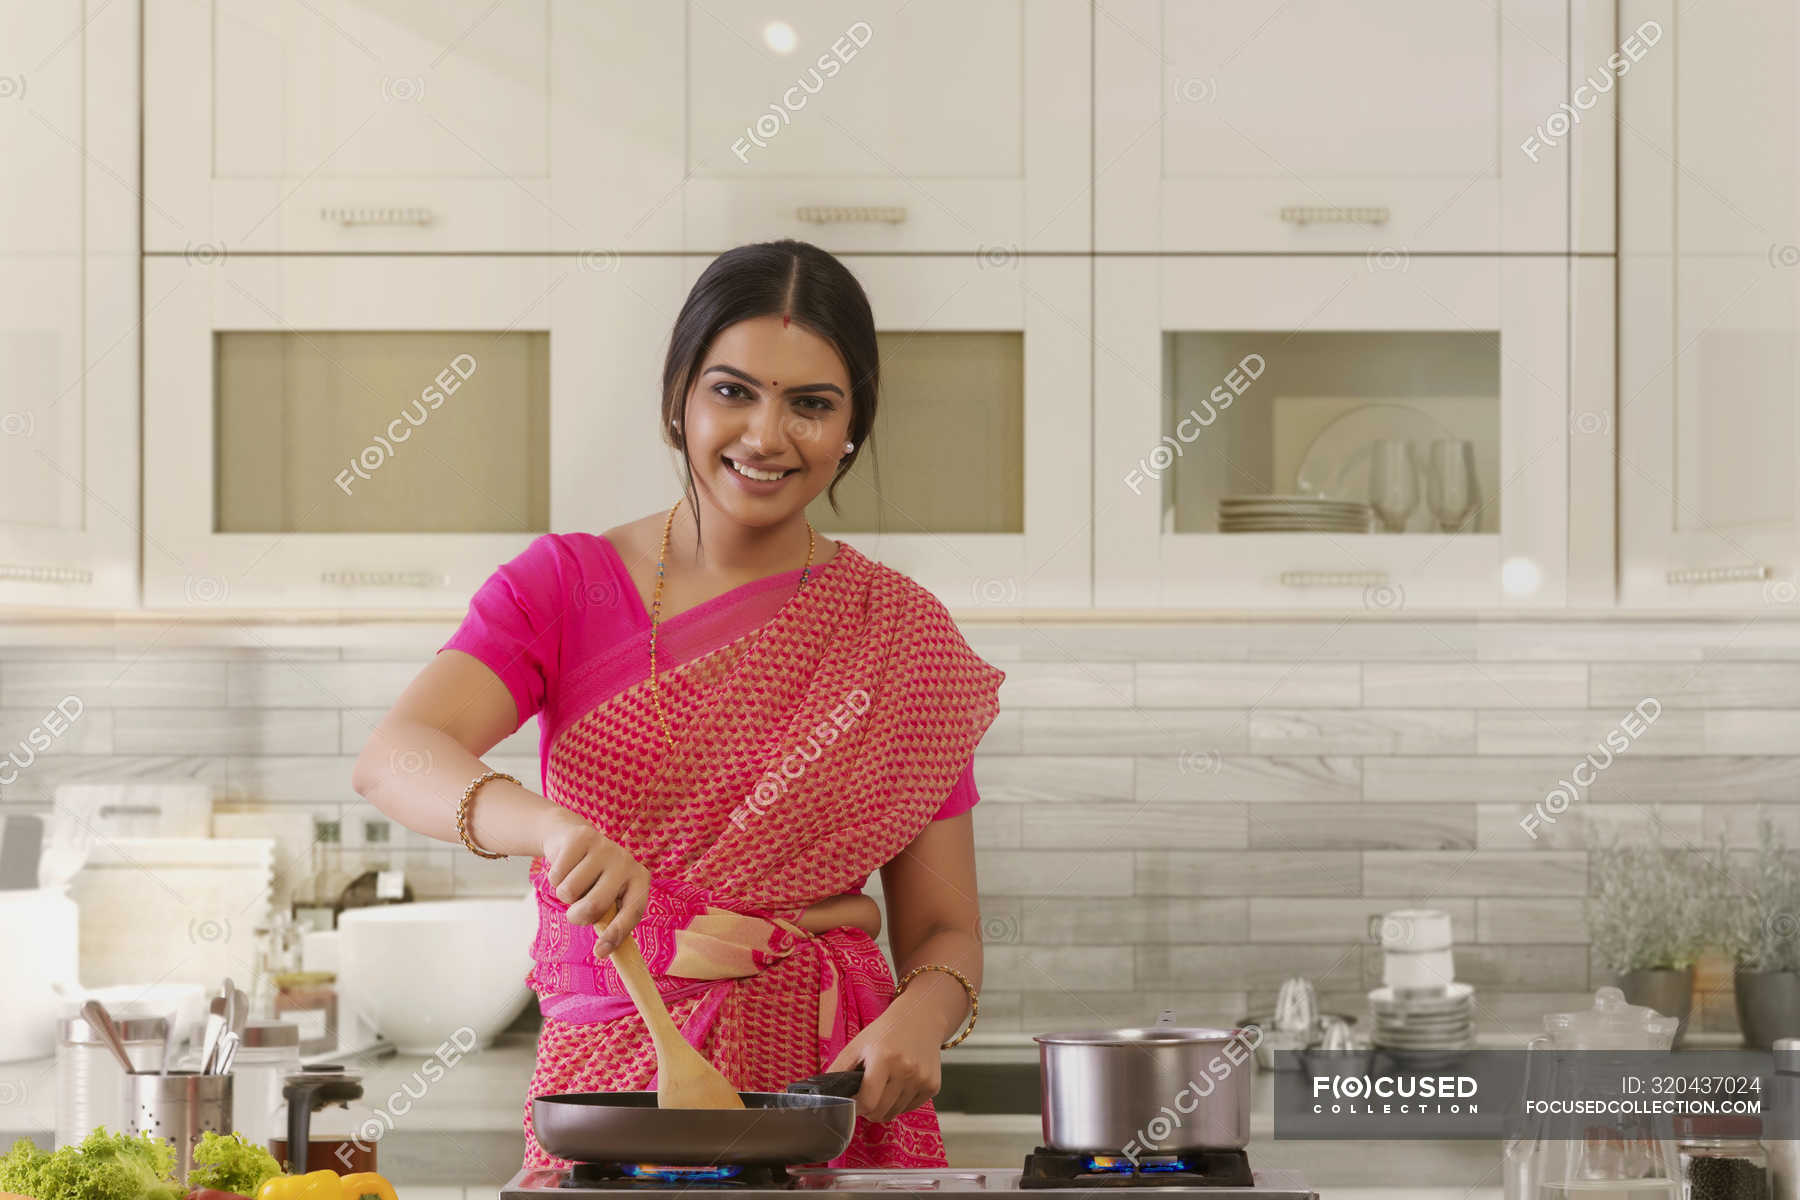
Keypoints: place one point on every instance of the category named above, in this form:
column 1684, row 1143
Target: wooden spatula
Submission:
column 684, row 1079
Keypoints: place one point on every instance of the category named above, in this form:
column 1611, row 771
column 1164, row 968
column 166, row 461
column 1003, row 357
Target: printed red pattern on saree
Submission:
column 808, row 753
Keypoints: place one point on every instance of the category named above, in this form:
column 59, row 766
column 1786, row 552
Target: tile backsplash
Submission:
column 1173, row 815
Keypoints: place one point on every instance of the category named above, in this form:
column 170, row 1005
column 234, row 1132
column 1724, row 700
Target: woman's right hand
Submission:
column 590, row 872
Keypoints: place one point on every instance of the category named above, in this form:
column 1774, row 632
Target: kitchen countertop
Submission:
column 477, row 1106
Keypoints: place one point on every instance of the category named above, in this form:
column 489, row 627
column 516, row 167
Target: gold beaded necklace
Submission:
column 662, row 554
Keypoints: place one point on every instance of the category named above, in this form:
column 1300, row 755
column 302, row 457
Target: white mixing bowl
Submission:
column 422, row 973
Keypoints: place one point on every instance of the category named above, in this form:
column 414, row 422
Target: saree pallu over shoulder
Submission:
column 809, row 751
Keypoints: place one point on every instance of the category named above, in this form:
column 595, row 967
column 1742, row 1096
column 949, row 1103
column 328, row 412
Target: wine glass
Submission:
column 1393, row 483
column 1450, row 487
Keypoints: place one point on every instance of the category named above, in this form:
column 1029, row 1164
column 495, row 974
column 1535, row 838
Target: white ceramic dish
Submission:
column 419, row 973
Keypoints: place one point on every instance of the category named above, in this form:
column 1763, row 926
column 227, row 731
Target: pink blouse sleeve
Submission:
column 962, row 795
column 514, row 623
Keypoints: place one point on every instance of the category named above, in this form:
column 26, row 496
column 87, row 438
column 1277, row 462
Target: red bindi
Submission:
column 784, row 320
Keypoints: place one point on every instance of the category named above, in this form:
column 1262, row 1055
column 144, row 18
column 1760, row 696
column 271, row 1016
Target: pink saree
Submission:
column 815, row 735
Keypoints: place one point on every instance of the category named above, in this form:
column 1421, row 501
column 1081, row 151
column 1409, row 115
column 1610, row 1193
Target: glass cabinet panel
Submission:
column 949, row 445
column 1255, row 413
column 363, row 431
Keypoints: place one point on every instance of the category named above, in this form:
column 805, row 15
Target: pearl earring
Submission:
column 849, row 446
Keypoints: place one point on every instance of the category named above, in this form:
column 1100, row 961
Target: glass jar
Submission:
column 90, row 1087
column 309, row 1000
column 1722, row 1158
column 269, row 1053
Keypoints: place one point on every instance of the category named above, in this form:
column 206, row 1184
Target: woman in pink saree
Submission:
column 805, row 724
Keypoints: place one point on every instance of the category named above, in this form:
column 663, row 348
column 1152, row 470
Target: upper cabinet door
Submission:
column 370, row 432
column 977, row 480
column 424, row 125
column 69, row 312
column 1310, row 125
column 1233, row 393
column 899, row 125
column 1708, row 314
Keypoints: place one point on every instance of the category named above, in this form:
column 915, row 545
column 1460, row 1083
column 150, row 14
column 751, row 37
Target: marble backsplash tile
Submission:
column 1173, row 815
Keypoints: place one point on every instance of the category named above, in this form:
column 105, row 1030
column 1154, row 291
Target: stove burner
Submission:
column 658, row 1177
column 1194, row 1168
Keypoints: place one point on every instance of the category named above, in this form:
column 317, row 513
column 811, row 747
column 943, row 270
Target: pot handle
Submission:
column 829, row 1083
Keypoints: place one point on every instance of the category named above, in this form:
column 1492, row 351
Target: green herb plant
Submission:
column 1647, row 905
column 1758, row 912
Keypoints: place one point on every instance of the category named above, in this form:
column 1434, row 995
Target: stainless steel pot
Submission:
column 1159, row 1089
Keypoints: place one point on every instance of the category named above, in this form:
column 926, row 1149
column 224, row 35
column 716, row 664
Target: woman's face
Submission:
column 774, row 398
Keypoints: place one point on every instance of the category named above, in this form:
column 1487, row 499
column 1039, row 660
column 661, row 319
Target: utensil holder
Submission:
column 178, row 1108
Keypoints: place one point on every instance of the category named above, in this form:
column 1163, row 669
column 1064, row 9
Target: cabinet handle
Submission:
column 1363, row 579
column 1302, row 214
column 419, row 579
column 848, row 214
column 1719, row 574
column 24, row 573
column 348, row 217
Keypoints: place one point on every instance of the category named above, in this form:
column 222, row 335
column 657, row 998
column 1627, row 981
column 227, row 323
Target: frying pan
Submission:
column 809, row 1122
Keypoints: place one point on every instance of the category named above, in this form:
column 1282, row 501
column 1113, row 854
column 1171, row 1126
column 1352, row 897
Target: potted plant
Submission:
column 1647, row 920
column 1758, row 912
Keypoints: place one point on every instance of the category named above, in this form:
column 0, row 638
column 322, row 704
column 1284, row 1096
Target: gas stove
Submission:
column 1209, row 1175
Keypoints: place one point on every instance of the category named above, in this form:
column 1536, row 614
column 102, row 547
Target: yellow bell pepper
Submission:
column 366, row 1185
column 327, row 1185
column 314, row 1185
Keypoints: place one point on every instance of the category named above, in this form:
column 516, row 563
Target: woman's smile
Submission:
column 758, row 479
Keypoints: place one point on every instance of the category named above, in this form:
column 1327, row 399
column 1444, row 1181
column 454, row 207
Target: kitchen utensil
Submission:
column 228, row 1045
column 1336, row 465
column 1101, row 1088
column 90, row 1087
column 215, row 1029
column 809, row 1122
column 1450, row 482
column 684, row 1079
column 1393, row 483
column 95, row 1013
column 1296, row 1006
column 178, row 1108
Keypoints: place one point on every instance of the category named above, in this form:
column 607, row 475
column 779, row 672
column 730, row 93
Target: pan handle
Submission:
column 830, row 1083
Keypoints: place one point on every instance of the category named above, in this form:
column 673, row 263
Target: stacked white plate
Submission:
column 1424, row 1024
column 1291, row 514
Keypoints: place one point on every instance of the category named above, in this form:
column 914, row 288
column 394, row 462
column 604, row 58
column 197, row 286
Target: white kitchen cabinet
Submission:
column 414, row 125
column 1307, row 126
column 1470, row 348
column 69, row 311
column 581, row 126
column 1709, row 188
column 923, row 125
column 351, row 432
column 978, row 484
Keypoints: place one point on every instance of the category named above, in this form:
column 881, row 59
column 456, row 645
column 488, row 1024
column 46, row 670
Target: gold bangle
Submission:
column 462, row 812
column 974, row 997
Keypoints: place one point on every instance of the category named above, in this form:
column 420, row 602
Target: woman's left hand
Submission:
column 901, row 1060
